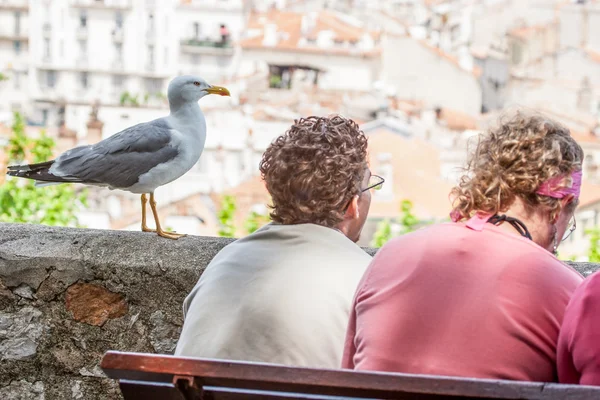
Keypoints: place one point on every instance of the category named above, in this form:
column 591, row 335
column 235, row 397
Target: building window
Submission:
column 17, row 79
column 118, row 52
column 118, row 81
column 83, row 79
column 44, row 116
column 83, row 19
column 82, row 48
column 197, row 30
column 46, row 48
column 17, row 22
column 17, row 46
column 153, row 85
column 151, row 55
column 516, row 53
column 119, row 20
column 50, row 79
column 151, row 21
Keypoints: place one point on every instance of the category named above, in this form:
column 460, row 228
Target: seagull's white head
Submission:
column 189, row 88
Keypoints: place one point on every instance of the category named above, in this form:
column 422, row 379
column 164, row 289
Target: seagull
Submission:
column 140, row 158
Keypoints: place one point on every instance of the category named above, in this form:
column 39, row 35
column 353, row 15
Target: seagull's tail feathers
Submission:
column 40, row 173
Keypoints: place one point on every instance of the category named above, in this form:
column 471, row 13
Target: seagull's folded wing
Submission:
column 119, row 160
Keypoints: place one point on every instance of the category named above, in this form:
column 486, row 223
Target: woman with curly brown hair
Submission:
column 283, row 294
column 482, row 296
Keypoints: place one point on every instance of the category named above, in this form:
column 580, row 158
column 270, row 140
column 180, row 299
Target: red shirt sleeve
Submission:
column 579, row 339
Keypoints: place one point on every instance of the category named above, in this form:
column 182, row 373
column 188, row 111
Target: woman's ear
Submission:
column 566, row 202
column 568, row 199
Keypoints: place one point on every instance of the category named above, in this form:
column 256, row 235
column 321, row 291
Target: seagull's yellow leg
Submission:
column 169, row 235
column 144, row 226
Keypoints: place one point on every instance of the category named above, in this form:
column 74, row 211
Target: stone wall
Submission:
column 69, row 295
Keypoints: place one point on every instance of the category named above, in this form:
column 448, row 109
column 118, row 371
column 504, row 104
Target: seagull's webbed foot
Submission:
column 170, row 235
column 159, row 230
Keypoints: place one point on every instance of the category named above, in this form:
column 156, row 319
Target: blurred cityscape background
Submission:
column 422, row 77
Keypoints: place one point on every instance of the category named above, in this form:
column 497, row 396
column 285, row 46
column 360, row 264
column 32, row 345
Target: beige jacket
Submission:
column 281, row 295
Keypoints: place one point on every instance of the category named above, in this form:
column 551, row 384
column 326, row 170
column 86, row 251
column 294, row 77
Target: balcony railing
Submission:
column 102, row 4
column 6, row 34
column 212, row 5
column 207, row 46
column 14, row 5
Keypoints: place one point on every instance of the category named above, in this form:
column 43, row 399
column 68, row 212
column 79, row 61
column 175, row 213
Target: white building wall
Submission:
column 572, row 31
column 575, row 65
column 417, row 72
column 67, row 61
column 14, row 63
column 547, row 94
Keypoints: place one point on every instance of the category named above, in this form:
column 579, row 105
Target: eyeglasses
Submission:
column 375, row 182
column 570, row 228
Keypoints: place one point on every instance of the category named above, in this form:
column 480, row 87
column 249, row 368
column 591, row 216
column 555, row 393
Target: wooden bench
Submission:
column 151, row 376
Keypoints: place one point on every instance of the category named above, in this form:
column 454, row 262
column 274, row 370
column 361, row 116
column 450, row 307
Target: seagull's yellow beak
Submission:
column 220, row 90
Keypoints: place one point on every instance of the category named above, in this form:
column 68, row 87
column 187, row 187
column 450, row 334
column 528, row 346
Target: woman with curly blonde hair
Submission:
column 482, row 296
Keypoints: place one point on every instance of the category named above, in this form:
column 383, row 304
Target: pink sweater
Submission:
column 579, row 340
column 465, row 301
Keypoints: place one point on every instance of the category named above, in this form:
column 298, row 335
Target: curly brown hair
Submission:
column 513, row 160
column 314, row 169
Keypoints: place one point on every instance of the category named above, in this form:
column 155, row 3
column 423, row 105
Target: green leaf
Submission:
column 21, row 201
column 226, row 217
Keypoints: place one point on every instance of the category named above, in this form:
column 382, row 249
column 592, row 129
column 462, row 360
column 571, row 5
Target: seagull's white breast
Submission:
column 189, row 148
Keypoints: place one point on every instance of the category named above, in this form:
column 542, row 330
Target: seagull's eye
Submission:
column 197, row 83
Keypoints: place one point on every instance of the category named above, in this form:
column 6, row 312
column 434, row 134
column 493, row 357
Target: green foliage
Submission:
column 21, row 201
column 407, row 222
column 3, row 77
column 594, row 250
column 129, row 99
column 383, row 233
column 255, row 221
column 226, row 216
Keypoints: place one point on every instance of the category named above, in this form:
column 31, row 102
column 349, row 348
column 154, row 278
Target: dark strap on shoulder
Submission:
column 518, row 225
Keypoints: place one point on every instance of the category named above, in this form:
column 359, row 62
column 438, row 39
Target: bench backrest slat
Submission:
column 238, row 377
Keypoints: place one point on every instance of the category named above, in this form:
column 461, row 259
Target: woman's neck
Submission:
column 537, row 224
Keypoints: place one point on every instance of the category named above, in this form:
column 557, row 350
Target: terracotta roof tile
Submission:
column 524, row 32
column 593, row 55
column 456, row 120
column 290, row 35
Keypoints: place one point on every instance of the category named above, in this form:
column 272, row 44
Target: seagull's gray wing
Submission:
column 118, row 161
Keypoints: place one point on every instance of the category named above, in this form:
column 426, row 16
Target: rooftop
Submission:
column 325, row 31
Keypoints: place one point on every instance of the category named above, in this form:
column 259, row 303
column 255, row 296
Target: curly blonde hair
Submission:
column 513, row 160
column 314, row 169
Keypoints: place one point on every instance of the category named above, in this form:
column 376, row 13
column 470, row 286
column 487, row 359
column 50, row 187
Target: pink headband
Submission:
column 553, row 187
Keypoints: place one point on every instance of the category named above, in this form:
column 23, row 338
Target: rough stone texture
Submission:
column 69, row 295
column 142, row 278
